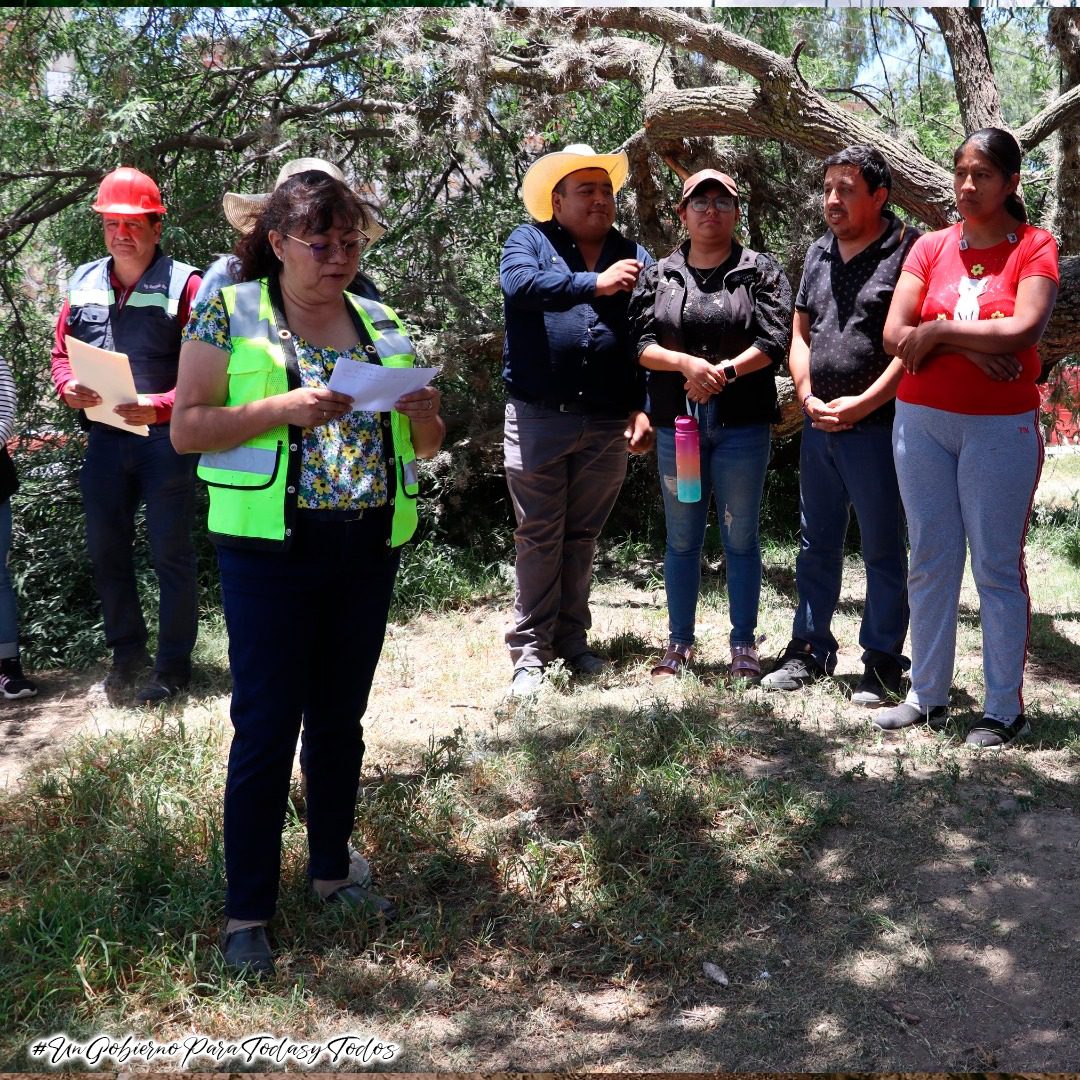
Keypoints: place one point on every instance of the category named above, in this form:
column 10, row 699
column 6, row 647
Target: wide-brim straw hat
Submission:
column 546, row 172
column 242, row 210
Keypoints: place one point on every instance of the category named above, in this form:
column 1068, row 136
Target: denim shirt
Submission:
column 564, row 344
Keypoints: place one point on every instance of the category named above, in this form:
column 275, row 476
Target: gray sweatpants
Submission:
column 967, row 481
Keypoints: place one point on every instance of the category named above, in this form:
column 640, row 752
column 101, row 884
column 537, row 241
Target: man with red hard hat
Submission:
column 135, row 301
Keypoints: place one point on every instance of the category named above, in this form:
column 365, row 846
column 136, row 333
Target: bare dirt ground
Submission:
column 936, row 926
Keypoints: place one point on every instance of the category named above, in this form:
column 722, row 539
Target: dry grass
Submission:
column 566, row 866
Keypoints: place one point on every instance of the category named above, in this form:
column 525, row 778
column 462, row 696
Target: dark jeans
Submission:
column 306, row 627
column 9, row 620
column 838, row 471
column 120, row 471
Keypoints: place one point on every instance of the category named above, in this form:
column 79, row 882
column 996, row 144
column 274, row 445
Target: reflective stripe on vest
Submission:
column 259, row 461
column 146, row 327
column 249, row 489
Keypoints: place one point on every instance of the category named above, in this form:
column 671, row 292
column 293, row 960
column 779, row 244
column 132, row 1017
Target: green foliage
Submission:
column 209, row 100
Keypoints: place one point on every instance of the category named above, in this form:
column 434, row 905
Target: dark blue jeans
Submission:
column 9, row 620
column 837, row 472
column 120, row 471
column 306, row 627
column 734, row 461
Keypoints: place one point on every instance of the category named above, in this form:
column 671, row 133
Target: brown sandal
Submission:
column 745, row 663
column 676, row 660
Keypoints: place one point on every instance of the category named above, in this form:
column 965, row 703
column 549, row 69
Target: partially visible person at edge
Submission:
column 135, row 301
column 241, row 210
column 13, row 682
column 969, row 309
column 846, row 383
column 575, row 399
column 711, row 321
column 310, row 502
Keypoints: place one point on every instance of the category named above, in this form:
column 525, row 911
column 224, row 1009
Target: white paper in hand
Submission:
column 374, row 388
column 109, row 375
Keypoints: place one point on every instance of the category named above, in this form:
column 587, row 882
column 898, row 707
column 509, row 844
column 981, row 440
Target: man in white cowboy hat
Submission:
column 242, row 210
column 575, row 398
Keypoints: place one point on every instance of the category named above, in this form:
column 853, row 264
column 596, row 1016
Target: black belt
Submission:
column 576, row 408
column 310, row 514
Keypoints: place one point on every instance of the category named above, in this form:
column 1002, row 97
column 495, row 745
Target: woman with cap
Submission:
column 969, row 309
column 712, row 321
column 310, row 502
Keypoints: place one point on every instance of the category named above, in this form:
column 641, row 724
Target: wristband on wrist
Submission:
column 805, row 400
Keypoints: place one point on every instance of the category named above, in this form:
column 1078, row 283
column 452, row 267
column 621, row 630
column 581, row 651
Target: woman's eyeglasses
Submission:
column 325, row 252
column 723, row 203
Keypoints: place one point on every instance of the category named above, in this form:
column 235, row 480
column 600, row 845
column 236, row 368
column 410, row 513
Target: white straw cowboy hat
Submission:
column 242, row 210
column 546, row 172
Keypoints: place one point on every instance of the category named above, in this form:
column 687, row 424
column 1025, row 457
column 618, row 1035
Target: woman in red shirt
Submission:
column 968, row 311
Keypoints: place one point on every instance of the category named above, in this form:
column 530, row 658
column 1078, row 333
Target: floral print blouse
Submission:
column 342, row 466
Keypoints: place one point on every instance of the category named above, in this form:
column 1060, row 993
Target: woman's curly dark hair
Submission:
column 308, row 202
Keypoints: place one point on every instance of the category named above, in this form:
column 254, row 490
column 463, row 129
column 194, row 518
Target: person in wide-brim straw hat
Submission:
column 575, row 402
column 242, row 210
column 546, row 173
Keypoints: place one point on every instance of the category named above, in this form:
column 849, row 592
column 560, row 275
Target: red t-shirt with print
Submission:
column 979, row 283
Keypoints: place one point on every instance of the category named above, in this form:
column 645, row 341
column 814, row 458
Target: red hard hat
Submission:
column 128, row 191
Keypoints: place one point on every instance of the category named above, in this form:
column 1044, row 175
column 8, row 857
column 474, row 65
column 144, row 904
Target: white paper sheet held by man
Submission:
column 109, row 374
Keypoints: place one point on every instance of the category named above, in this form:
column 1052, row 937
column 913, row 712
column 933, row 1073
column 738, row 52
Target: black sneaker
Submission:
column 160, row 687
column 992, row 732
column 879, row 684
column 796, row 667
column 906, row 715
column 13, row 683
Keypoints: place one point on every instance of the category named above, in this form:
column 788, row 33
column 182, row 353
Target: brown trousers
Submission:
column 564, row 473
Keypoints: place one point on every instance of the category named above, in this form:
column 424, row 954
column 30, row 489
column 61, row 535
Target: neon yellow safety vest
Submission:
column 253, row 487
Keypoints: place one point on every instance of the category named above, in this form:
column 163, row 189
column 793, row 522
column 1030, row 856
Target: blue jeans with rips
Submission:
column 839, row 471
column 733, row 465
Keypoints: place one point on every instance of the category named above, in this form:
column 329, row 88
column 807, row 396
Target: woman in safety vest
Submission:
column 310, row 501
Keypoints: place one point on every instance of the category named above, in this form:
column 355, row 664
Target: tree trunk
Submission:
column 1062, row 336
column 783, row 111
column 973, row 75
column 1065, row 36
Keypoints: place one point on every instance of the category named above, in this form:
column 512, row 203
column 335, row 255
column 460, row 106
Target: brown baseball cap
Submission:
column 703, row 176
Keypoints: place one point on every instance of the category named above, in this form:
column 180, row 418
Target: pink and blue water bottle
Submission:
column 687, row 459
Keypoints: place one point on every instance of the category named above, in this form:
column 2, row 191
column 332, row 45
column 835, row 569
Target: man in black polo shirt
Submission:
column 846, row 383
column 575, row 397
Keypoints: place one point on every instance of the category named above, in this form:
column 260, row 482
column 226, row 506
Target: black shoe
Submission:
column 991, row 732
column 880, row 683
column 13, row 683
column 587, row 665
column 796, row 667
column 905, row 715
column 123, row 677
column 363, row 900
column 160, row 687
column 248, row 952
